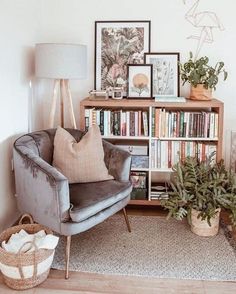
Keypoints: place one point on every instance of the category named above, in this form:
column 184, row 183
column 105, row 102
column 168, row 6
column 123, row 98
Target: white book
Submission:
column 216, row 125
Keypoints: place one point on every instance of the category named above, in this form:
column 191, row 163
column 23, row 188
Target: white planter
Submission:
column 201, row 227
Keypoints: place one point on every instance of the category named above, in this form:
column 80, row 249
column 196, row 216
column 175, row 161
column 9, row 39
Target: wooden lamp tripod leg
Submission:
column 54, row 103
column 70, row 104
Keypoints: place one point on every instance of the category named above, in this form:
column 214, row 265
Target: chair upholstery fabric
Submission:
column 44, row 192
column 88, row 199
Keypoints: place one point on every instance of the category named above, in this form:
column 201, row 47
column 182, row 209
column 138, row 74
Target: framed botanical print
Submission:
column 165, row 81
column 118, row 43
column 139, row 81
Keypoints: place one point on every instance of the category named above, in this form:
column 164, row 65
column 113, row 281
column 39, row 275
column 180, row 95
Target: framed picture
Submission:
column 165, row 81
column 118, row 43
column 139, row 81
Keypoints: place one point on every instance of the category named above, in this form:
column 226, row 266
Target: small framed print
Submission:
column 139, row 81
column 118, row 43
column 165, row 81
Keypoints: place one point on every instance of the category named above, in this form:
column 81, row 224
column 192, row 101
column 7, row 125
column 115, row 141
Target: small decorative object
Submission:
column 98, row 95
column 117, row 93
column 200, row 190
column 202, row 77
column 139, row 81
column 165, row 82
column 118, row 43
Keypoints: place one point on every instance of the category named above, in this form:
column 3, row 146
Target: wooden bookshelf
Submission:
column 146, row 105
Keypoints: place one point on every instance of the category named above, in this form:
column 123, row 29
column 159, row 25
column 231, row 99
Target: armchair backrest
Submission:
column 41, row 143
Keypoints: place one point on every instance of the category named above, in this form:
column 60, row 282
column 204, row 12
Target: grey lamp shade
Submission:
column 60, row 61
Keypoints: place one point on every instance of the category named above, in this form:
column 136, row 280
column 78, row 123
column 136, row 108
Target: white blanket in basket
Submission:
column 41, row 240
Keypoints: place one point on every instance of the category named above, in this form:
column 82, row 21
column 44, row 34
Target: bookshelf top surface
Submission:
column 139, row 103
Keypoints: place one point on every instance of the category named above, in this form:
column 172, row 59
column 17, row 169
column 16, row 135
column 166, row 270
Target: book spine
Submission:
column 132, row 123
column 102, row 122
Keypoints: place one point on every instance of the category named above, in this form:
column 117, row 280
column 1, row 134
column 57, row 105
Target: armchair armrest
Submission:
column 40, row 188
column 117, row 161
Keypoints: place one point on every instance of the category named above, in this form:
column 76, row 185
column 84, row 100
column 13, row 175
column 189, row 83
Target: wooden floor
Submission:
column 97, row 283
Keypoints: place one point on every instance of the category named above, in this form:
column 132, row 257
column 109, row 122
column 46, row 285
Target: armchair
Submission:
column 68, row 209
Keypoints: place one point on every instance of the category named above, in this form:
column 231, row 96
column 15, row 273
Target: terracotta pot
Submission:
column 200, row 93
column 201, row 227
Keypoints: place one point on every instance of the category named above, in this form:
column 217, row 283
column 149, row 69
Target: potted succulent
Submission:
column 200, row 190
column 201, row 76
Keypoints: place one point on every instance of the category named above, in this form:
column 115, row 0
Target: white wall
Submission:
column 18, row 22
column 26, row 22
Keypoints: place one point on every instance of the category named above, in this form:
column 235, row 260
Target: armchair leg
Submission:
column 126, row 220
column 68, row 242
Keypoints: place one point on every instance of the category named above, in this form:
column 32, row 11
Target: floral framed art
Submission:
column 118, row 43
column 165, row 81
column 139, row 81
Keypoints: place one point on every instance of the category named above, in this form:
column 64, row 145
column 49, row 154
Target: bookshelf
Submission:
column 198, row 119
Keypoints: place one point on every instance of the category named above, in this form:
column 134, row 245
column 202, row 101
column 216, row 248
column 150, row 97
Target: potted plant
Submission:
column 201, row 76
column 200, row 190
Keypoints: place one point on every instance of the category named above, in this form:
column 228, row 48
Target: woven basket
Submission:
column 25, row 270
column 201, row 227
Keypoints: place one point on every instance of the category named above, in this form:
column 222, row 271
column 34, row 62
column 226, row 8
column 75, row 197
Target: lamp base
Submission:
column 65, row 94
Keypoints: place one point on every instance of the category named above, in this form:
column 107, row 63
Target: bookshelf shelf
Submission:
column 139, row 169
column 114, row 137
column 184, row 139
column 191, row 127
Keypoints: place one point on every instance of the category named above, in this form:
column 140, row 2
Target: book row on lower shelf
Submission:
column 165, row 154
column 184, row 124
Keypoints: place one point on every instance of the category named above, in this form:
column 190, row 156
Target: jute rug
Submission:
column 156, row 247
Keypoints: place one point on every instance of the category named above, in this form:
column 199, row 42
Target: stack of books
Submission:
column 159, row 191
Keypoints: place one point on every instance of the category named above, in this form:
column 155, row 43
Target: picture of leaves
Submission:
column 119, row 43
column 165, row 73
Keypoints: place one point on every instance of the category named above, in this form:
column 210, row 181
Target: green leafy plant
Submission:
column 200, row 72
column 203, row 186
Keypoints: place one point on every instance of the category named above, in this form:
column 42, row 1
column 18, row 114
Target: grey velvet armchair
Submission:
column 68, row 209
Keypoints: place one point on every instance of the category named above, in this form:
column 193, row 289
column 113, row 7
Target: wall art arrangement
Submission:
column 123, row 58
column 118, row 43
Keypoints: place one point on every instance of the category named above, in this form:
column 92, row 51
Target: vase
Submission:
column 201, row 227
column 200, row 93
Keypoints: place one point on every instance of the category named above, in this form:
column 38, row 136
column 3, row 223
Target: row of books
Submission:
column 164, row 154
column 118, row 122
column 184, row 124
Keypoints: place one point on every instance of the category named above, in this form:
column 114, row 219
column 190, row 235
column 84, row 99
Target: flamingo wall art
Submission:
column 205, row 21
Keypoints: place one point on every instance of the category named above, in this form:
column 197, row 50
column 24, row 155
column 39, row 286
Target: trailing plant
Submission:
column 200, row 72
column 203, row 186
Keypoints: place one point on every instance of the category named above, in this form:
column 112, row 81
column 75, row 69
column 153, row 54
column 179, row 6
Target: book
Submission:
column 169, row 99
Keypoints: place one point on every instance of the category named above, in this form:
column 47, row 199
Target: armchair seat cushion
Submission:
column 87, row 199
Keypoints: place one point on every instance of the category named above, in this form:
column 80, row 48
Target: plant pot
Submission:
column 201, row 227
column 200, row 93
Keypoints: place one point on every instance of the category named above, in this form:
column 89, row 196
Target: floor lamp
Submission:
column 60, row 62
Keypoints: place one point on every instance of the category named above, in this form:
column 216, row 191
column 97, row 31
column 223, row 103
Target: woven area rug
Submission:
column 156, row 247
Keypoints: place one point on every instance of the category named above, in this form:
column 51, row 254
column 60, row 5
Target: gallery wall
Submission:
column 24, row 23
